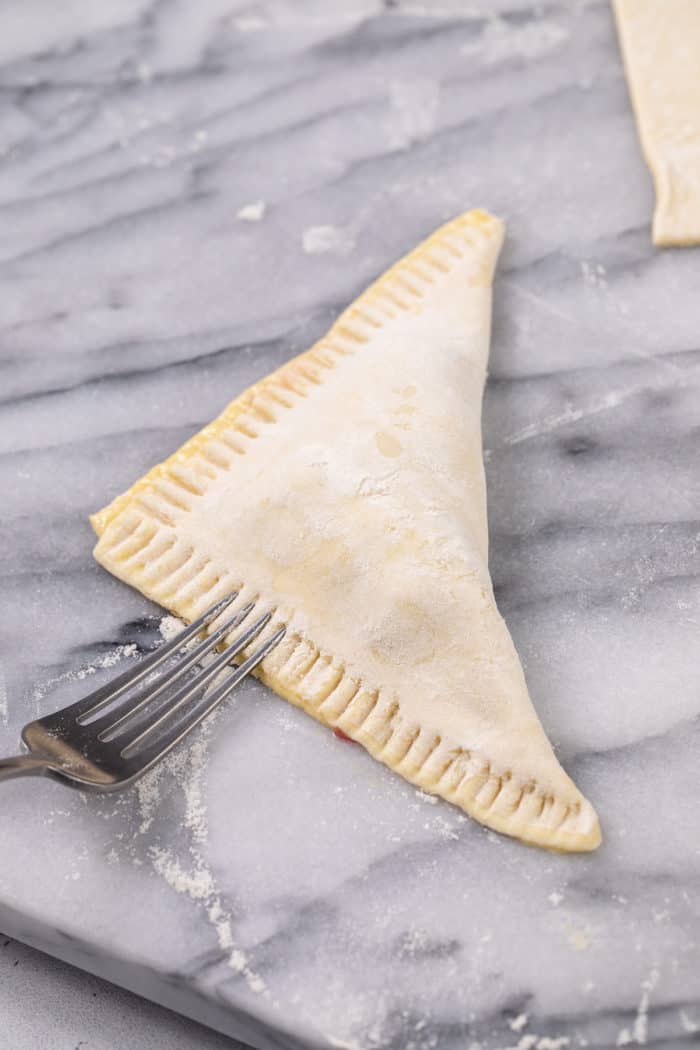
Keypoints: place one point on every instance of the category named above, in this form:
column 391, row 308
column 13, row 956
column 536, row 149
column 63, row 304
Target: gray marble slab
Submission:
column 189, row 193
column 46, row 1003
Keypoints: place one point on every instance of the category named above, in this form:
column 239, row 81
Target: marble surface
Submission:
column 46, row 1003
column 189, row 194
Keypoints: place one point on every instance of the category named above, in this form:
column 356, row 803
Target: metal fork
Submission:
column 110, row 738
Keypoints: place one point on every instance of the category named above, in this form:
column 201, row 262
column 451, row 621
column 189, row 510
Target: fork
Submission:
column 109, row 739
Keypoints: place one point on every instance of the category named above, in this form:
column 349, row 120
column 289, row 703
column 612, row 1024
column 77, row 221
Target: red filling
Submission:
column 344, row 736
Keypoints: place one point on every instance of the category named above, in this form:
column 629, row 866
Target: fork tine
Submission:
column 144, row 759
column 106, row 727
column 133, row 735
column 98, row 699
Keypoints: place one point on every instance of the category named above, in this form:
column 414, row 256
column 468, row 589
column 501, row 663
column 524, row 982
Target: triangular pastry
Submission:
column 346, row 493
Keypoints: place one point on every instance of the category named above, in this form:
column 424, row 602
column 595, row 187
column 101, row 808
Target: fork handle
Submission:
column 22, row 766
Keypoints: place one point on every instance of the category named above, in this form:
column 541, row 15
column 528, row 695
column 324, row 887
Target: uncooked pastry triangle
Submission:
column 661, row 46
column 346, row 493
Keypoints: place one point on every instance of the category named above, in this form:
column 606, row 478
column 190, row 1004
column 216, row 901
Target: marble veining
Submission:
column 189, row 193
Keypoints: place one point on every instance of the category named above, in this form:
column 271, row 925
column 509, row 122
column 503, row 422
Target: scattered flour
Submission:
column 122, row 652
column 531, row 1041
column 432, row 800
column 252, row 212
column 640, row 1028
column 186, row 871
column 170, row 627
column 413, row 942
column 687, row 1023
column 601, row 403
column 197, row 883
column 148, row 794
column 327, row 240
column 501, row 41
column 225, row 933
column 555, row 898
column 237, row 960
column 4, row 709
column 255, row 982
column 444, row 828
column 104, row 662
column 414, row 104
column 343, row 1044
column 526, row 1042
column 192, row 876
column 594, row 274
column 518, row 1023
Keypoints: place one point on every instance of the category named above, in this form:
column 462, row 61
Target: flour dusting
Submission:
column 193, row 878
column 413, row 942
column 252, row 212
column 104, row 662
column 4, row 708
column 688, row 1024
column 327, row 240
column 640, row 1028
column 111, row 659
column 196, row 818
column 594, row 274
column 501, row 40
column 148, row 794
column 444, row 828
column 527, row 1042
column 190, row 875
column 598, row 404
column 170, row 627
column 343, row 1044
column 414, row 104
column 197, row 884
